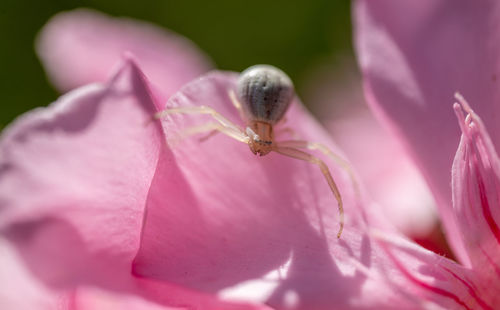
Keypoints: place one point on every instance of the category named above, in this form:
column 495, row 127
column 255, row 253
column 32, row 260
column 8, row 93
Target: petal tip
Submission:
column 466, row 122
column 129, row 56
column 461, row 100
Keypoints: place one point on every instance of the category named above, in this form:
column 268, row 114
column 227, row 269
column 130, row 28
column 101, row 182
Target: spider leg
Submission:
column 236, row 103
column 302, row 144
column 213, row 128
column 200, row 110
column 298, row 154
column 238, row 107
column 222, row 125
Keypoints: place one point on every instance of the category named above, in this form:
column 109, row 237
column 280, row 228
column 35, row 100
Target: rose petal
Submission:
column 263, row 229
column 74, row 179
column 23, row 290
column 414, row 57
column 390, row 177
column 476, row 195
column 174, row 295
column 73, row 185
column 439, row 281
column 189, row 190
column 90, row 298
column 19, row 288
column 96, row 299
column 82, row 46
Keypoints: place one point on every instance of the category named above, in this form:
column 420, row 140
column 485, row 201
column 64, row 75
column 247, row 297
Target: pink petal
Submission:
column 263, row 229
column 414, row 57
column 19, row 288
column 97, row 299
column 83, row 46
column 156, row 296
column 74, row 179
column 144, row 294
column 174, row 295
column 440, row 281
column 476, row 195
column 390, row 177
column 73, row 184
column 22, row 290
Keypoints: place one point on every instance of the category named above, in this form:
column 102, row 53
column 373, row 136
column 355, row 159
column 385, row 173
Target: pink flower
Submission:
column 100, row 207
column 476, row 203
column 414, row 56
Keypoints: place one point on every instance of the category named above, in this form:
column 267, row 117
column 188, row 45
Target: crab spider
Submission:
column 264, row 94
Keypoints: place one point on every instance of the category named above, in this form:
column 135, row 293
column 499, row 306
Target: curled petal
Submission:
column 389, row 175
column 414, row 55
column 264, row 229
column 74, row 179
column 476, row 193
column 436, row 281
column 217, row 215
column 83, row 46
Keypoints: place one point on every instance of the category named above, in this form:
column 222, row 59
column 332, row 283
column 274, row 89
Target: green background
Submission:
column 293, row 35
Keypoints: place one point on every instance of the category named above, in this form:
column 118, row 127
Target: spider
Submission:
column 264, row 94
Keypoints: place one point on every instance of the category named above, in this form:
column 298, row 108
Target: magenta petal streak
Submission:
column 476, row 190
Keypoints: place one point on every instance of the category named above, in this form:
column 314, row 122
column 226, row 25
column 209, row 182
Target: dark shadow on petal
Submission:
column 74, row 120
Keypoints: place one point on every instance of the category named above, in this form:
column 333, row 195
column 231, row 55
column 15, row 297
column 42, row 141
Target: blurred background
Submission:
column 300, row 37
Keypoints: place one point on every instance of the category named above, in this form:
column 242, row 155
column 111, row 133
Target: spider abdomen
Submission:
column 265, row 93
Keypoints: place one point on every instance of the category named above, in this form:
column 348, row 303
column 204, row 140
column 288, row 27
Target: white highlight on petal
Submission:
column 258, row 290
column 291, row 299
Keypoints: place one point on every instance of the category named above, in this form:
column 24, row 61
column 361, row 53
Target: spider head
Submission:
column 261, row 138
column 260, row 147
